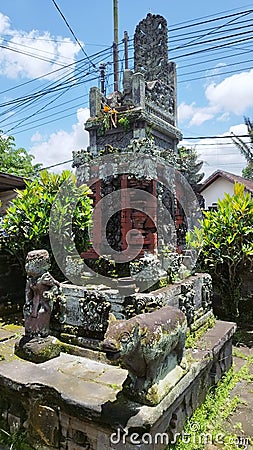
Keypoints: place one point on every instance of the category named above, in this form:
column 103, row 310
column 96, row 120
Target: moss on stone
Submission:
column 193, row 337
column 38, row 350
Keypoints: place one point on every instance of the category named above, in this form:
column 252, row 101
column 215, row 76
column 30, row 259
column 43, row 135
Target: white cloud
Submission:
column 51, row 52
column 224, row 117
column 234, row 94
column 214, row 73
column 195, row 115
column 221, row 153
column 37, row 137
column 4, row 24
column 201, row 115
column 185, row 111
column 58, row 147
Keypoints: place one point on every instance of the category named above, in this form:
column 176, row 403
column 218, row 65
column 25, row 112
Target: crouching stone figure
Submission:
column 150, row 346
column 40, row 287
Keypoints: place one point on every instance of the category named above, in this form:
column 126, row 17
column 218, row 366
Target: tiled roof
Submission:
column 227, row 176
column 9, row 182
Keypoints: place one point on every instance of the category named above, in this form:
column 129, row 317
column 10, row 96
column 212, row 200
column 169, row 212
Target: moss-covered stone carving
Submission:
column 150, row 346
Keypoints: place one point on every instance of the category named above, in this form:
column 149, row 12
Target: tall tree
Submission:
column 189, row 166
column 16, row 161
column 246, row 149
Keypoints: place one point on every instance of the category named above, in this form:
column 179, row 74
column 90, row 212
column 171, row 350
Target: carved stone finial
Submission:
column 151, row 60
column 151, row 48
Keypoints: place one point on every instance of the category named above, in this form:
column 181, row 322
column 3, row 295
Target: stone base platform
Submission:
column 76, row 403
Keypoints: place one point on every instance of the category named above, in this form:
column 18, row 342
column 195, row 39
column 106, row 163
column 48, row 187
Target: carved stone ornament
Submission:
column 187, row 303
column 94, row 313
column 207, row 292
column 142, row 303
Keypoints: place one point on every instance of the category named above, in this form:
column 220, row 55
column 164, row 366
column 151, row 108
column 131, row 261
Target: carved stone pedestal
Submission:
column 73, row 402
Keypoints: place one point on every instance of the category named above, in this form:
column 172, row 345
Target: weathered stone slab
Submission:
column 74, row 378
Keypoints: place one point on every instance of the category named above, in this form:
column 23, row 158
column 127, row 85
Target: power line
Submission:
column 220, row 73
column 214, row 59
column 45, row 75
column 29, row 54
column 55, row 165
column 72, row 32
column 195, row 24
column 212, row 48
column 216, row 137
column 211, row 68
column 190, row 44
column 221, row 29
column 13, row 43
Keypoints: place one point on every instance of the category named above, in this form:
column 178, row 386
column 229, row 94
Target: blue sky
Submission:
column 38, row 53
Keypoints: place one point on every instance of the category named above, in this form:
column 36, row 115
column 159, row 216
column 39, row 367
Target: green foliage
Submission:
column 16, row 161
column 124, row 122
column 226, row 243
column 248, row 172
column 26, row 224
column 104, row 124
column 15, row 441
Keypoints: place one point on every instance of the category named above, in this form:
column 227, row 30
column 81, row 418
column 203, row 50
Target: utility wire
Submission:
column 208, row 31
column 98, row 54
column 13, row 43
column 215, row 137
column 220, row 73
column 31, row 55
column 54, row 89
column 195, row 24
column 211, row 40
column 55, row 165
column 73, row 34
column 211, row 68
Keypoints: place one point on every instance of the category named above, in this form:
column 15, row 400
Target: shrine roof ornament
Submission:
column 151, row 48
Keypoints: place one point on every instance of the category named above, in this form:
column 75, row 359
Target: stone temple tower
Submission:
column 144, row 111
column 147, row 106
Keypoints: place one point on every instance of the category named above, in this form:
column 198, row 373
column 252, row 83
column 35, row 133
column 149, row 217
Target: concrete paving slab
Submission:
column 244, row 390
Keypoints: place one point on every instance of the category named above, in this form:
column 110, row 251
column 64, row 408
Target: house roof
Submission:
column 9, row 182
column 229, row 177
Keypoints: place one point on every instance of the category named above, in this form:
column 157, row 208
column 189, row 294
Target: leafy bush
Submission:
column 26, row 224
column 226, row 243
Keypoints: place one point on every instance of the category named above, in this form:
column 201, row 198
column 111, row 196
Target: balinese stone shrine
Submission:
column 108, row 365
